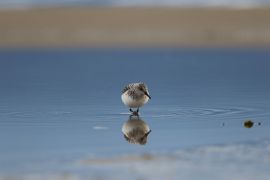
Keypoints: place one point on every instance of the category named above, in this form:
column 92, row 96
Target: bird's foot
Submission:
column 135, row 113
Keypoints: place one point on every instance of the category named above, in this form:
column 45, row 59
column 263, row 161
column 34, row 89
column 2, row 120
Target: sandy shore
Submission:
column 101, row 27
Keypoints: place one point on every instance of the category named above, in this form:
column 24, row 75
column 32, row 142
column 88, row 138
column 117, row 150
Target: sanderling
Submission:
column 135, row 95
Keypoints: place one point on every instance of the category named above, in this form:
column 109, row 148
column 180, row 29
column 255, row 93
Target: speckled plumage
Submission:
column 135, row 95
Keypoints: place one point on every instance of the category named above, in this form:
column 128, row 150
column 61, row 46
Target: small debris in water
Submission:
column 248, row 124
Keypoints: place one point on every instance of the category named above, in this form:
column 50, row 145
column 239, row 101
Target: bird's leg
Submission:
column 130, row 110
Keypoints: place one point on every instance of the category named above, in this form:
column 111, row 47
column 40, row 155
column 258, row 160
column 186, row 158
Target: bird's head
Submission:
column 142, row 87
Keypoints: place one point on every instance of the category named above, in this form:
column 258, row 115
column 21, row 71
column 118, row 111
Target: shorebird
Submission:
column 135, row 95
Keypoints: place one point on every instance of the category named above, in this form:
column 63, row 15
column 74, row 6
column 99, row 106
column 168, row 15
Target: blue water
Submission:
column 61, row 105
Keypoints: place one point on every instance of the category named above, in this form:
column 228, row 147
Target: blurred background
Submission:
column 142, row 23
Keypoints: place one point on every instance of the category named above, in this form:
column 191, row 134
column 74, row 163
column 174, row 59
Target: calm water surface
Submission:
column 60, row 106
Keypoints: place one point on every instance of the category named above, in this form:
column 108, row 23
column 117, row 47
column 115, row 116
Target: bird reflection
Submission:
column 135, row 130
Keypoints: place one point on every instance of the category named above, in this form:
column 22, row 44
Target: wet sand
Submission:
column 110, row 27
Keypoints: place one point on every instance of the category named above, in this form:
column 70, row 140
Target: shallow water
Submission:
column 62, row 107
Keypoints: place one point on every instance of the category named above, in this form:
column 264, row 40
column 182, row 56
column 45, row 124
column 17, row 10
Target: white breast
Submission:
column 132, row 103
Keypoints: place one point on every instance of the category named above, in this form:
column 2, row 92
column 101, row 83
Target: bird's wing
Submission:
column 126, row 88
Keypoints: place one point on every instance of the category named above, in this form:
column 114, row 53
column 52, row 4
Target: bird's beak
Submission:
column 148, row 133
column 147, row 95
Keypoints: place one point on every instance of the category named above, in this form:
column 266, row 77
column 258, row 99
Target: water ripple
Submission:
column 237, row 112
